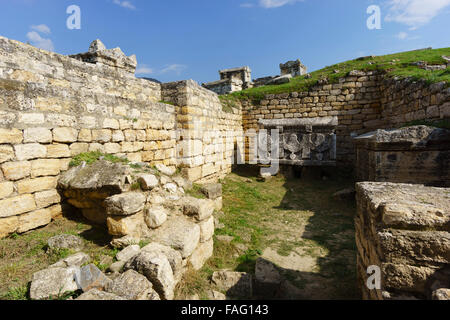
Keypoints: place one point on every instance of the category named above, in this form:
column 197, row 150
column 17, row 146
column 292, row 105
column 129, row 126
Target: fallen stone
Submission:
column 125, row 241
column 128, row 253
column 212, row 190
column 76, row 260
column 165, row 170
column 52, row 283
column 117, row 266
column 206, row 229
column 281, row 80
column 157, row 269
column 148, row 181
column 155, row 216
column 200, row 209
column 95, row 294
column 170, row 187
column 65, row 241
column 125, row 204
column 236, row 284
column 90, row 277
column 172, row 255
column 132, row 286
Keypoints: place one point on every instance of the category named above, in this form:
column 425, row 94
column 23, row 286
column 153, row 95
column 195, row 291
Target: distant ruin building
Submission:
column 294, row 68
column 231, row 80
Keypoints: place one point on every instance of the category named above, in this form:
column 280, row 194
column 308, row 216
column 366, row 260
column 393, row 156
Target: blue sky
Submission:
column 193, row 39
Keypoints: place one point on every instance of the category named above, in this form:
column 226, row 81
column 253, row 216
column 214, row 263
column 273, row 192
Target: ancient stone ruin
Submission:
column 164, row 137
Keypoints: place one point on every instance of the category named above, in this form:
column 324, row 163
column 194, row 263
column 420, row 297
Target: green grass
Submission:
column 94, row 156
column 287, row 216
column 398, row 64
column 196, row 191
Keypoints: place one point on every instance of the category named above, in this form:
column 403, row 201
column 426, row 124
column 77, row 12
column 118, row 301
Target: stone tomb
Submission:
column 418, row 154
column 303, row 142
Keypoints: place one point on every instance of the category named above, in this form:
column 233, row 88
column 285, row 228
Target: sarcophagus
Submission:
column 304, row 142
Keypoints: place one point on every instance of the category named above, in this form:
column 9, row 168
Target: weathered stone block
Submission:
column 16, row 170
column 58, row 151
column 125, row 204
column 11, row 136
column 46, row 198
column 45, row 167
column 65, row 135
column 206, row 229
column 17, row 205
column 33, row 220
column 201, row 209
column 30, row 151
column 8, row 226
column 6, row 153
column 40, row 135
column 6, row 189
column 201, row 254
column 125, row 225
column 35, row 185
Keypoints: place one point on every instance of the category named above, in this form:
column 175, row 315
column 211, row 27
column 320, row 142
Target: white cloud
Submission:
column 175, row 68
column 125, row 4
column 39, row 42
column 144, row 69
column 402, row 35
column 276, row 3
column 414, row 13
column 42, row 28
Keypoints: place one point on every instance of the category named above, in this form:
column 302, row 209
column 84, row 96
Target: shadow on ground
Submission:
column 315, row 252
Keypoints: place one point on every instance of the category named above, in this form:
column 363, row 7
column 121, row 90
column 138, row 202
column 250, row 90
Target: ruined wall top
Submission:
column 294, row 68
column 111, row 57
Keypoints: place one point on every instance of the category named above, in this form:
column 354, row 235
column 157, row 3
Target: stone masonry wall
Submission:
column 207, row 136
column 362, row 101
column 53, row 107
column 404, row 230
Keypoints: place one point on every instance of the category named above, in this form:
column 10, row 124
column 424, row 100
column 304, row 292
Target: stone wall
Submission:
column 405, row 231
column 417, row 154
column 207, row 135
column 362, row 101
column 53, row 107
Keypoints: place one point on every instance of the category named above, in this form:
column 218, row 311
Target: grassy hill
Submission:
column 398, row 64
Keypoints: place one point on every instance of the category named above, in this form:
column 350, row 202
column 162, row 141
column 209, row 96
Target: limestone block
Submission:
column 17, row 205
column 129, row 252
column 85, row 135
column 12, row 136
column 56, row 211
column 125, row 204
column 35, row 185
column 30, row 151
column 45, row 167
column 200, row 209
column 8, row 226
column 41, row 135
column 53, row 282
column 102, row 135
column 78, row 148
column 133, row 286
column 58, row 151
column 202, row 253
column 174, row 257
column 6, row 153
column 65, row 135
column 112, row 148
column 111, row 124
column 206, row 229
column 117, row 136
column 6, row 189
column 148, row 181
column 34, row 219
column 46, row 198
column 16, row 170
column 123, row 226
column 155, row 216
